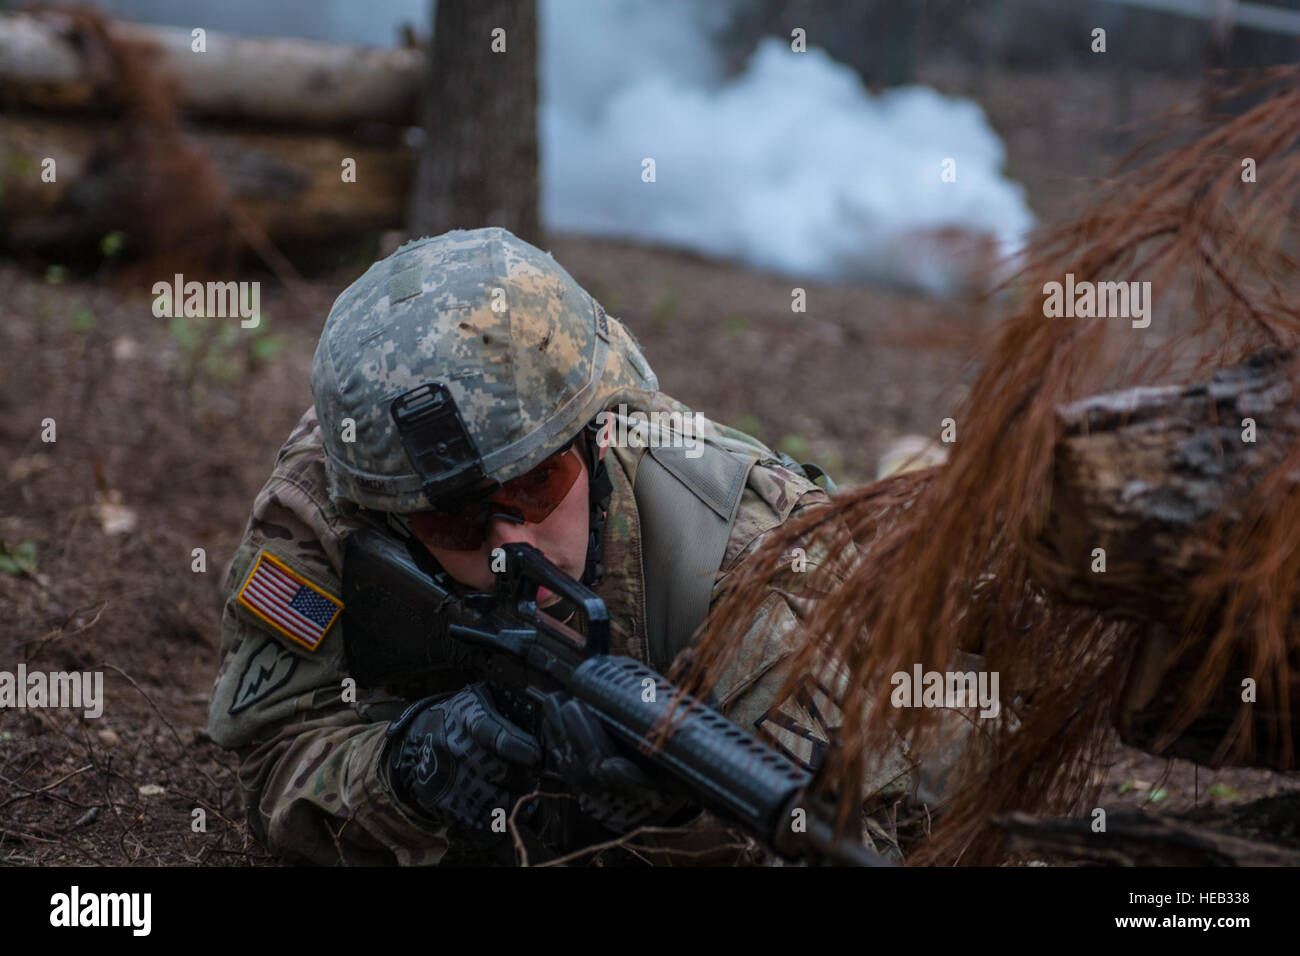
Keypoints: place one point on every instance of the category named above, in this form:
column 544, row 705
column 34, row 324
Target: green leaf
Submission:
column 25, row 555
column 611, row 301
column 1224, row 791
column 55, row 274
column 750, row 425
column 796, row 446
column 112, row 243
column 734, row 326
column 83, row 320
column 5, row 735
column 831, row 464
column 22, row 165
column 1126, row 786
column 221, row 369
column 1158, row 795
column 666, row 310
column 185, row 332
column 265, row 348
column 19, row 559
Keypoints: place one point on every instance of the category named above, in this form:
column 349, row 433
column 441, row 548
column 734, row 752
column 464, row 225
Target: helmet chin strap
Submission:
column 599, row 491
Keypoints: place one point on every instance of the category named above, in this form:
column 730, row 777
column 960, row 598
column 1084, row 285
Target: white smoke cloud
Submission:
column 792, row 166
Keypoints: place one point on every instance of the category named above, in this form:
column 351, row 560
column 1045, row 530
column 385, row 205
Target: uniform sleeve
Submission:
column 309, row 767
column 312, row 782
column 749, row 686
column 750, row 683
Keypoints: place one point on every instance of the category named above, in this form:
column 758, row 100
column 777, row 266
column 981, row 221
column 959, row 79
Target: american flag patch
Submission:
column 288, row 602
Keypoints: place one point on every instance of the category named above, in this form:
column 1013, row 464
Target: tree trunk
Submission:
column 478, row 165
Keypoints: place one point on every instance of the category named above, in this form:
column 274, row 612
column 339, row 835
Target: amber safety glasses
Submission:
column 530, row 498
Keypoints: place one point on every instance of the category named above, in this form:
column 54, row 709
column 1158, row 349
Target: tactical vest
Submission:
column 686, row 507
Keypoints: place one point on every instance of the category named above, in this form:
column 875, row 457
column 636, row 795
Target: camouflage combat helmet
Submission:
column 459, row 361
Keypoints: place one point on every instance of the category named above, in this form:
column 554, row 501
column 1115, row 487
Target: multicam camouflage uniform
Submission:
column 313, row 780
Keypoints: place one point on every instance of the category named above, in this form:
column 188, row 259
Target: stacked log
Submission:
column 307, row 140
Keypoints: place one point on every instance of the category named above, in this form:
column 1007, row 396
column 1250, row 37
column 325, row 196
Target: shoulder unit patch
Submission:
column 267, row 670
column 288, row 602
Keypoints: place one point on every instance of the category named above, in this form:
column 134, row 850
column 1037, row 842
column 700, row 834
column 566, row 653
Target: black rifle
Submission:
column 403, row 619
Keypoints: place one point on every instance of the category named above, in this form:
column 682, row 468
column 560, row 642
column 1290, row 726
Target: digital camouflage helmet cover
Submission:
column 474, row 354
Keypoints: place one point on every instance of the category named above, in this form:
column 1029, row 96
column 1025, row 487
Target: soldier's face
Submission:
column 561, row 536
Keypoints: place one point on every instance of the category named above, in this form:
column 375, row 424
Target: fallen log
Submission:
column 55, row 61
column 288, row 183
column 1150, row 487
column 1262, row 833
column 1139, row 474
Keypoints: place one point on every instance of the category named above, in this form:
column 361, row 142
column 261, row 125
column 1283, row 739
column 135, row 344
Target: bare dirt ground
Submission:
column 165, row 430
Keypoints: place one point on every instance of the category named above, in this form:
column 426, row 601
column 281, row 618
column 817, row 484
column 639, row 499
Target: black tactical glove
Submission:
column 611, row 789
column 458, row 759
